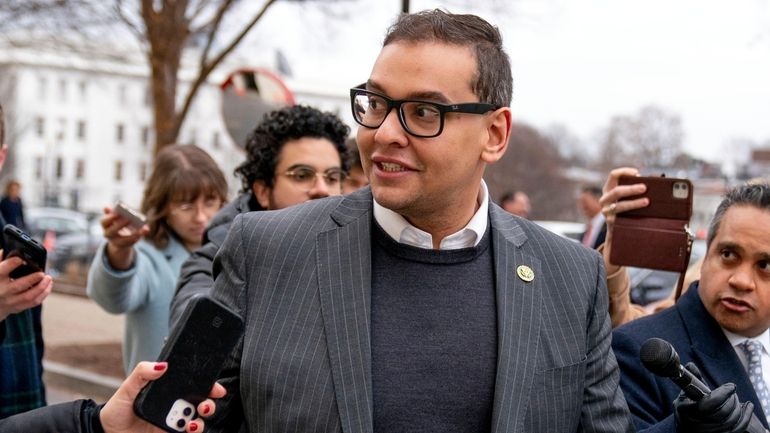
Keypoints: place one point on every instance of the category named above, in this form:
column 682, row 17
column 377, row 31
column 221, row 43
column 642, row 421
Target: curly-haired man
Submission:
column 295, row 154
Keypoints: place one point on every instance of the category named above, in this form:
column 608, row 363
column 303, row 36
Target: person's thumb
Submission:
column 142, row 374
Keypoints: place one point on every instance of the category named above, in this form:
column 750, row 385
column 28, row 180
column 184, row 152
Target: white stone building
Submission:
column 80, row 124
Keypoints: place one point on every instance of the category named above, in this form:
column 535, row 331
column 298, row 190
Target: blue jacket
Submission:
column 697, row 338
column 142, row 292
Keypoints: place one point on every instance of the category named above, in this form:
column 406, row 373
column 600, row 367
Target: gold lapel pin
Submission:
column 525, row 273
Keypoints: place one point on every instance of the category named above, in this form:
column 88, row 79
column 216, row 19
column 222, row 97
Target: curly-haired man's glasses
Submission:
column 306, row 177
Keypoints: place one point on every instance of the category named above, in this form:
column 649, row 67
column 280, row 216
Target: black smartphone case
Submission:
column 654, row 237
column 195, row 351
column 18, row 243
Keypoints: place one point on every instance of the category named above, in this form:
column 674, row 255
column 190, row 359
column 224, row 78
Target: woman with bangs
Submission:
column 136, row 269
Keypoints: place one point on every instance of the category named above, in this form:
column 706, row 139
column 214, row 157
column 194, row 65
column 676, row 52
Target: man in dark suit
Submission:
column 417, row 304
column 720, row 324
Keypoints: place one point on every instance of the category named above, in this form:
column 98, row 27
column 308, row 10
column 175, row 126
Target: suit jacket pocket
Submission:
column 556, row 399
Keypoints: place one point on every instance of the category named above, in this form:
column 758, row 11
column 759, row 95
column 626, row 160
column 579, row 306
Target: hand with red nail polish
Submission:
column 117, row 416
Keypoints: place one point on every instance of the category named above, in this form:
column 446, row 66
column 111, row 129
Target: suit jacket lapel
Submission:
column 518, row 321
column 712, row 350
column 344, row 280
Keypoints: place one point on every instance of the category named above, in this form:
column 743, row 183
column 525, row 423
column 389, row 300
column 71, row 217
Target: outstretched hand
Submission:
column 118, row 415
column 121, row 237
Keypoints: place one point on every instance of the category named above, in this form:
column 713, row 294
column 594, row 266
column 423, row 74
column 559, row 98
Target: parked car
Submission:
column 58, row 221
column 650, row 285
column 73, row 252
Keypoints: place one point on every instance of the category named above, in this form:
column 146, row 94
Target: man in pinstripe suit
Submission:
column 417, row 304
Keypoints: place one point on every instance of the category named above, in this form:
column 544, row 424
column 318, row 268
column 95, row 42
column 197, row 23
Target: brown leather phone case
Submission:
column 656, row 236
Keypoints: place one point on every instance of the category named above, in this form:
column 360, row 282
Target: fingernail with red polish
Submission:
column 193, row 427
column 206, row 410
column 160, row 366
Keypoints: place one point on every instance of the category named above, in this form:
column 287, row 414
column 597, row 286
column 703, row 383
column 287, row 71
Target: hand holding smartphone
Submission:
column 196, row 351
column 20, row 244
column 655, row 236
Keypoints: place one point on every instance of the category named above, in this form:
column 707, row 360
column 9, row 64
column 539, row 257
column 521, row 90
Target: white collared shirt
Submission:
column 398, row 228
column 596, row 224
column 764, row 339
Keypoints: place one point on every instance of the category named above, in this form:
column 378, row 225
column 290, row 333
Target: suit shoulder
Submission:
column 311, row 215
column 664, row 324
column 557, row 245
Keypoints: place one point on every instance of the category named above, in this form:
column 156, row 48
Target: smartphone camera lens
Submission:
column 180, row 423
column 187, row 411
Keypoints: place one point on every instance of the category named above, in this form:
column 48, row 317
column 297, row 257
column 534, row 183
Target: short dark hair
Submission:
column 2, row 126
column 594, row 190
column 280, row 126
column 493, row 82
column 754, row 194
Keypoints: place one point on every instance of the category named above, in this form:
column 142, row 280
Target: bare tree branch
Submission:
column 214, row 27
column 207, row 67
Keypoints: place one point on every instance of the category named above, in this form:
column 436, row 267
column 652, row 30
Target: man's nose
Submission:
column 320, row 188
column 391, row 131
column 742, row 278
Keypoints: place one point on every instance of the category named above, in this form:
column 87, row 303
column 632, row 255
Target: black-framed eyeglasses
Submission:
column 419, row 118
column 307, row 176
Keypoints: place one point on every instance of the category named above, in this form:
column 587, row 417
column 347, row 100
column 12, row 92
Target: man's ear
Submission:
column 499, row 132
column 3, row 153
column 262, row 193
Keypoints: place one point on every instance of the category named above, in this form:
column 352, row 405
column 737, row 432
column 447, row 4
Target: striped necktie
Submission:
column 753, row 351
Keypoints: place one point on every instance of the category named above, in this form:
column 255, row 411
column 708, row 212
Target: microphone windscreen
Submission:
column 659, row 357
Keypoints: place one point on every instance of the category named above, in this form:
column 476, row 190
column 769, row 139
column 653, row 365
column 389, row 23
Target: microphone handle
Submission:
column 691, row 385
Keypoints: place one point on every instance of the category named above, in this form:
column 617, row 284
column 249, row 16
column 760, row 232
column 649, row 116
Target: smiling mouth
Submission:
column 391, row 167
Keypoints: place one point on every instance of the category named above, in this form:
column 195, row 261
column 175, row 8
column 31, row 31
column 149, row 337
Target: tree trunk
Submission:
column 167, row 32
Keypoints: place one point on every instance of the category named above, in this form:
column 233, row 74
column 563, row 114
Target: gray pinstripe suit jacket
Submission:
column 301, row 279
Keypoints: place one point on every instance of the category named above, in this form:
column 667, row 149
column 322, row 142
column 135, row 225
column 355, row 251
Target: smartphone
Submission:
column 656, row 236
column 136, row 218
column 20, row 244
column 195, row 351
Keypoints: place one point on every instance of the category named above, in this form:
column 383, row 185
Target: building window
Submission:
column 119, row 133
column 83, row 90
column 59, row 168
column 40, row 126
column 142, row 171
column 60, row 133
column 118, row 171
column 122, row 94
column 80, row 169
column 38, row 168
column 145, row 136
column 215, row 141
column 42, row 88
column 63, row 90
column 147, row 95
column 81, row 130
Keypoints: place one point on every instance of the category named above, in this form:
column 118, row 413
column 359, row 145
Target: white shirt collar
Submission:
column 735, row 339
column 398, row 228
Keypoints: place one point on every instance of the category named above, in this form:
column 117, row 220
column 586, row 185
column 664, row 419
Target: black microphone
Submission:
column 659, row 357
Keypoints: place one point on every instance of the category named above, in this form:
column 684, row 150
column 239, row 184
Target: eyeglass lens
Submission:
column 419, row 118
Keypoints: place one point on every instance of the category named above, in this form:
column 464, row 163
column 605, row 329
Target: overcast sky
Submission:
column 576, row 62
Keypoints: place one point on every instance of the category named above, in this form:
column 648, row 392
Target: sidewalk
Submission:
column 82, row 349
